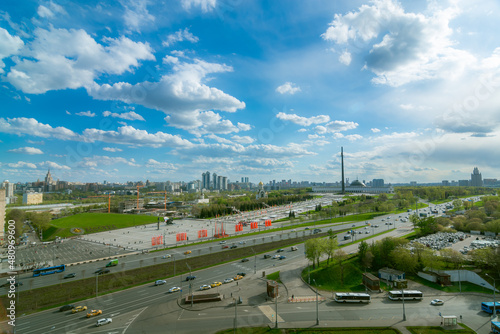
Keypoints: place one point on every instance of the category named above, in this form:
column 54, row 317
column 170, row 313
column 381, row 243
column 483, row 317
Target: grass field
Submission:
column 340, row 330
column 94, row 222
column 439, row 330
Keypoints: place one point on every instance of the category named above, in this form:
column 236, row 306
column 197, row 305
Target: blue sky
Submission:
column 136, row 90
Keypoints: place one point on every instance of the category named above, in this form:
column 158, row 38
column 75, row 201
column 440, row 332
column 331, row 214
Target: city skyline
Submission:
column 135, row 90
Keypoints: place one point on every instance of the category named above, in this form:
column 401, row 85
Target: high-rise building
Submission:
column 476, row 180
column 215, row 184
column 205, row 180
column 377, row 183
column 2, row 215
column 463, row 183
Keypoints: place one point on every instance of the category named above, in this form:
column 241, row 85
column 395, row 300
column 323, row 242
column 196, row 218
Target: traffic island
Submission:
column 204, row 298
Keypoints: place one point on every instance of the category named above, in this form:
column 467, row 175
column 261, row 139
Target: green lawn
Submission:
column 329, row 277
column 340, row 330
column 274, row 277
column 94, row 222
column 439, row 330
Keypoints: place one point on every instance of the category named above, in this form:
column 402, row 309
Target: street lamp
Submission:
column 494, row 297
column 276, row 306
column 235, row 315
column 96, row 283
column 317, row 312
column 190, row 288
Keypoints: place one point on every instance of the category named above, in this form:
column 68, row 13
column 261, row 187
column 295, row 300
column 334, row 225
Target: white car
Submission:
column 103, row 321
column 205, row 287
column 228, row 280
column 174, row 289
column 167, row 256
column 222, row 242
column 437, row 302
column 160, row 282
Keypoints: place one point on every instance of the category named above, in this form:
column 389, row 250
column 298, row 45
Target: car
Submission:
column 103, row 321
column 225, row 246
column 94, row 313
column 282, row 257
column 66, row 307
column 280, row 250
column 174, row 289
column 104, row 271
column 241, row 274
column 205, row 287
column 190, row 278
column 233, row 246
column 187, row 252
column 242, row 242
column 69, row 275
column 245, row 260
column 160, row 282
column 367, row 232
column 354, row 225
column 222, row 242
column 267, row 256
column 228, row 280
column 215, row 284
column 167, row 256
column 437, row 302
column 237, row 277
column 276, row 256
column 79, row 309
column 306, row 228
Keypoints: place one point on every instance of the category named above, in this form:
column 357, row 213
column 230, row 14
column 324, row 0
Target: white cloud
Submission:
column 243, row 139
column 102, row 160
column 22, row 164
column 50, row 10
column 112, row 149
column 303, row 121
column 160, row 165
column 85, row 113
column 130, row 116
column 136, row 14
column 27, row 150
column 181, row 95
column 31, row 126
column 205, row 5
column 288, row 88
column 411, row 46
column 375, row 130
column 9, row 46
column 60, row 59
column 170, row 60
column 54, row 165
column 179, row 36
column 345, row 58
column 353, row 137
column 336, row 126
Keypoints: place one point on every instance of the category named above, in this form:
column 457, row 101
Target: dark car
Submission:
column 66, row 307
column 245, row 260
column 102, row 271
column 233, row 246
column 280, row 250
column 241, row 274
column 190, row 278
column 69, row 275
column 267, row 256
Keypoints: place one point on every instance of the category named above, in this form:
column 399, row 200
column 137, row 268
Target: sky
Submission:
column 165, row 90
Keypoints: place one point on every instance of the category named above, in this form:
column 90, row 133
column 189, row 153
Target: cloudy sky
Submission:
column 165, row 90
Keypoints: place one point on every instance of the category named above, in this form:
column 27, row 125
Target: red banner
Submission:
column 157, row 240
column 181, row 236
column 254, row 225
column 202, row 233
column 268, row 222
column 238, row 227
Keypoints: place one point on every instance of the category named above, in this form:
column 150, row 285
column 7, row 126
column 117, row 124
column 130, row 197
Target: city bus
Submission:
column 488, row 307
column 352, row 297
column 408, row 295
column 49, row 270
column 495, row 327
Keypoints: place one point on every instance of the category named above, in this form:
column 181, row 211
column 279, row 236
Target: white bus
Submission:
column 352, row 297
column 408, row 295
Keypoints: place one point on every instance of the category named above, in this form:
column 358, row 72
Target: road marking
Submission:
column 114, row 314
column 269, row 313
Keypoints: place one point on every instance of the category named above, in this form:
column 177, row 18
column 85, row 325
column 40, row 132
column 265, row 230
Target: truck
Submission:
column 112, row 263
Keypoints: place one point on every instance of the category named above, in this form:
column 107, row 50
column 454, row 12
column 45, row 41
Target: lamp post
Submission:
column 276, row 306
column 96, row 284
column 317, row 312
column 494, row 297
column 235, row 315
column 190, row 288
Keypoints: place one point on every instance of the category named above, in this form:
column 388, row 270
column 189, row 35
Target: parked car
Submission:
column 79, row 309
column 190, row 278
column 66, row 307
column 241, row 274
column 215, row 284
column 205, row 287
column 104, row 321
column 160, row 282
column 69, row 275
column 228, row 280
column 237, row 277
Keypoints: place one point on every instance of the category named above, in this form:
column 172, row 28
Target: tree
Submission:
column 313, row 249
column 404, row 260
column 18, row 216
column 452, row 256
column 340, row 257
column 330, row 244
column 457, row 204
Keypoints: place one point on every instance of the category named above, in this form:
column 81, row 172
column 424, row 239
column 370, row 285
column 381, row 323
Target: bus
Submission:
column 49, row 270
column 488, row 307
column 408, row 295
column 495, row 327
column 352, row 297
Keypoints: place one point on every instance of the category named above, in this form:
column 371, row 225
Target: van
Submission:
column 294, row 248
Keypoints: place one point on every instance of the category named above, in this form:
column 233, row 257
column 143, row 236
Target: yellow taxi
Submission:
column 79, row 309
column 94, row 313
column 215, row 284
column 187, row 252
column 237, row 277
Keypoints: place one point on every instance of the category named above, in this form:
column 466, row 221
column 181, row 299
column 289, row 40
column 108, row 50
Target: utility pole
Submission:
column 276, row 307
column 317, row 311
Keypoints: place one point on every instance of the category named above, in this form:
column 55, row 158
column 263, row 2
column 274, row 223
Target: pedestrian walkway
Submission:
column 305, row 299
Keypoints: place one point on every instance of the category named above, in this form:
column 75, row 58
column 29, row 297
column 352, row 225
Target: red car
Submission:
column 225, row 246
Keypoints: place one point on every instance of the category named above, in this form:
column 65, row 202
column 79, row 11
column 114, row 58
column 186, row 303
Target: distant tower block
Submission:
column 342, row 159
